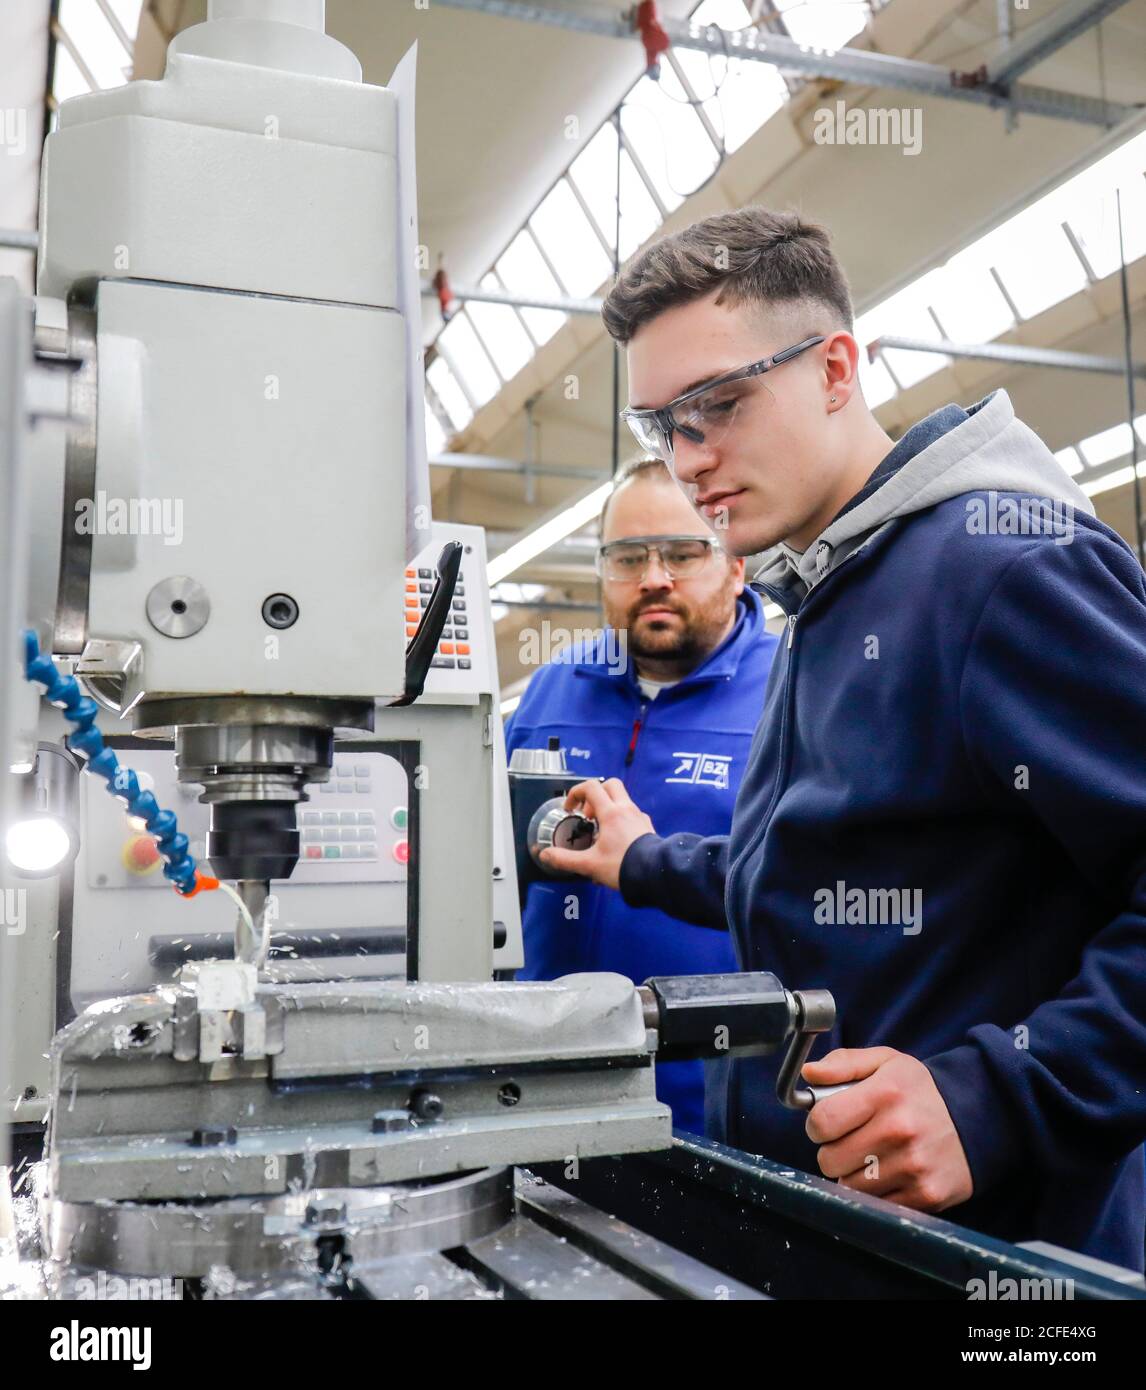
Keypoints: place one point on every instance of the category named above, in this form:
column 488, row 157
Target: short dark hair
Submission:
column 751, row 256
column 652, row 469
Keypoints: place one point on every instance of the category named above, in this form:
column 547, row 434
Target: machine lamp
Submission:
column 44, row 835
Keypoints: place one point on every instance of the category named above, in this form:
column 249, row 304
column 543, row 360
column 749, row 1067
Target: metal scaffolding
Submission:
column 561, row 303
column 1016, row 354
column 855, row 65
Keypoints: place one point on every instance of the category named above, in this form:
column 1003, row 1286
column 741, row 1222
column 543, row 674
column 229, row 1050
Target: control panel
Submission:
column 464, row 660
column 352, row 830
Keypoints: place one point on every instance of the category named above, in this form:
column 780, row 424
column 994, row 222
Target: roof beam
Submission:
column 1046, row 36
column 562, row 303
column 860, row 66
column 1016, row 354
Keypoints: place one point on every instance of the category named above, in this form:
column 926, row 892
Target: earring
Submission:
column 833, row 400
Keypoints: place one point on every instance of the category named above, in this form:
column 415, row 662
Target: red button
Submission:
column 314, row 851
column 401, row 851
column 140, row 855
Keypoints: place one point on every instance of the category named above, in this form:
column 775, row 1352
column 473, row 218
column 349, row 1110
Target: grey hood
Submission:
column 989, row 451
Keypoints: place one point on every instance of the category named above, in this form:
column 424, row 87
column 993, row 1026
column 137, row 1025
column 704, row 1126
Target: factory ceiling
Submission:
column 961, row 237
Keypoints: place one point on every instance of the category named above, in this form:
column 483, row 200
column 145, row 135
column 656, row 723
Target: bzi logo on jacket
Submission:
column 703, row 770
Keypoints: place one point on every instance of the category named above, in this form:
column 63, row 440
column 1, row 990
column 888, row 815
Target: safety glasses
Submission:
column 705, row 414
column 681, row 557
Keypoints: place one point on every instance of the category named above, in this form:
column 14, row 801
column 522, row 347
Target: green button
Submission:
column 331, row 852
column 399, row 817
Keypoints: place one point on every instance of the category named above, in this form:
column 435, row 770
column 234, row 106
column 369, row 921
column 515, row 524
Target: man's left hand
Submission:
column 889, row 1134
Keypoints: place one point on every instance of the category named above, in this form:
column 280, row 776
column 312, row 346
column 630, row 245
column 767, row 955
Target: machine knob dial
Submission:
column 552, row 825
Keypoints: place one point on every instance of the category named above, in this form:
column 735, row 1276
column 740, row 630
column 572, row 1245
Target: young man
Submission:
column 944, row 817
column 669, row 712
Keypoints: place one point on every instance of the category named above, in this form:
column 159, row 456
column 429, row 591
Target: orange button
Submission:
column 411, row 574
column 463, row 649
column 411, row 631
column 140, row 855
column 446, row 648
column 413, row 615
column 411, row 588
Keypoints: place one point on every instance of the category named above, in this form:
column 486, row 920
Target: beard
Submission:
column 698, row 630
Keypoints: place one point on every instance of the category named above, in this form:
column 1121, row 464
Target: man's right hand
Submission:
column 619, row 822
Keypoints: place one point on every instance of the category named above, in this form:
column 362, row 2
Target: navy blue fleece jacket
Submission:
column 943, row 821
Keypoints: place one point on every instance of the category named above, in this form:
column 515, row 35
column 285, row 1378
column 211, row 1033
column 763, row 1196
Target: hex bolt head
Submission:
column 390, row 1121
column 212, row 1137
column 425, row 1106
column 509, row 1094
column 325, row 1211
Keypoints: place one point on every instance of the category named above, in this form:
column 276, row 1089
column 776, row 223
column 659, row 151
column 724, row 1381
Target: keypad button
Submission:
column 411, row 631
column 347, row 818
column 464, row 663
column 365, row 817
column 425, row 602
column 446, row 649
column 425, row 588
column 459, row 606
column 363, row 788
column 346, row 786
column 331, row 852
column 425, row 574
column 459, row 590
column 330, row 817
column 461, row 633
column 399, row 817
column 447, row 661
column 349, row 833
column 312, row 818
column 463, row 649
column 361, row 770
column 401, row 851
column 313, row 851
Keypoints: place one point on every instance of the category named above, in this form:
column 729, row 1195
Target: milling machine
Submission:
column 283, row 669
